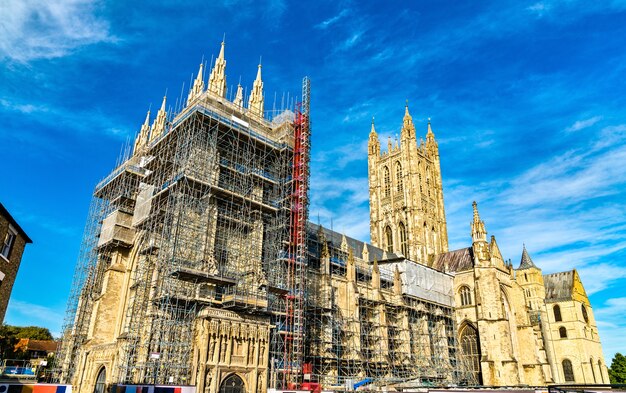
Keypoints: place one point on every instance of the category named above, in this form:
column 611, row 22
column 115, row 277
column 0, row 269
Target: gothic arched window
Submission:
column 466, row 296
column 389, row 237
column 404, row 246
column 100, row 381
column 568, row 371
column 470, row 352
column 399, row 184
column 387, row 181
column 557, row 313
column 563, row 332
column 585, row 316
column 232, row 384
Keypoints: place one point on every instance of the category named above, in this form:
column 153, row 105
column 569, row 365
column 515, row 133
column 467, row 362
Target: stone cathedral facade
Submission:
column 516, row 326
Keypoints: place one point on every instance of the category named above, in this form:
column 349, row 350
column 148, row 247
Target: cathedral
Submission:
column 515, row 326
column 200, row 272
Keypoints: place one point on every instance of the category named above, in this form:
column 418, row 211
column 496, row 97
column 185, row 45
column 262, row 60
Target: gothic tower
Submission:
column 406, row 195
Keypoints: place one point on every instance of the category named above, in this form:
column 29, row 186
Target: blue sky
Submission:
column 526, row 99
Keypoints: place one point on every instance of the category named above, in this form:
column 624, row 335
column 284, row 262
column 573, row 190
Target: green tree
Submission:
column 617, row 372
column 10, row 335
column 34, row 333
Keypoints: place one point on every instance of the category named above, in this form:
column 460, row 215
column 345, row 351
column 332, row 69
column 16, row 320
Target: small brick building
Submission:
column 13, row 239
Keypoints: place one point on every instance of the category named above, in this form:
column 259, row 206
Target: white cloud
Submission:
column 41, row 29
column 80, row 121
column 24, row 313
column 582, row 124
column 331, row 21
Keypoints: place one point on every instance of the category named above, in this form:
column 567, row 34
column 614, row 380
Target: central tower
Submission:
column 406, row 195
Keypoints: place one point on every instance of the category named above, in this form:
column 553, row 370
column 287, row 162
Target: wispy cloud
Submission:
column 612, row 326
column 40, row 29
column 24, row 313
column 85, row 121
column 582, row 124
column 331, row 21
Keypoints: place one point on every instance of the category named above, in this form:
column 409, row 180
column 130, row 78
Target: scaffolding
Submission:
column 287, row 344
column 201, row 218
column 378, row 319
column 210, row 213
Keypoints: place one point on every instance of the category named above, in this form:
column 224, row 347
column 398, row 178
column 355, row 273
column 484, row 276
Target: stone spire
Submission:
column 431, row 143
column 144, row 134
column 408, row 128
column 198, row 86
column 479, row 233
column 217, row 80
column 255, row 105
column 239, row 97
column 526, row 262
column 373, row 143
column 158, row 127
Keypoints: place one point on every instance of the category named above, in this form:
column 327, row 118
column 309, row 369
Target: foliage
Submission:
column 10, row 335
column 32, row 332
column 617, row 372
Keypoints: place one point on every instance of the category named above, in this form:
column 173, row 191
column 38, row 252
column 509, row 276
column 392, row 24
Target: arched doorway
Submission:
column 470, row 352
column 100, row 381
column 232, row 384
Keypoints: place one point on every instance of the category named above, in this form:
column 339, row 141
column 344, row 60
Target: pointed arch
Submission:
column 232, row 384
column 466, row 295
column 399, row 181
column 100, row 385
column 404, row 245
column 386, row 181
column 470, row 350
column 388, row 239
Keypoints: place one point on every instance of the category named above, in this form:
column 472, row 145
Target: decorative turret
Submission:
column 480, row 246
column 397, row 282
column 365, row 254
column 373, row 145
column 351, row 267
column 479, row 233
column 198, row 86
column 255, row 104
column 158, row 127
column 239, row 97
column 144, row 134
column 408, row 128
column 526, row 262
column 431, row 144
column 344, row 243
column 217, row 80
column 375, row 275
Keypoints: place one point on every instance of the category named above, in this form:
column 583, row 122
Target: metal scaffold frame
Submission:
column 363, row 329
column 200, row 218
column 212, row 214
